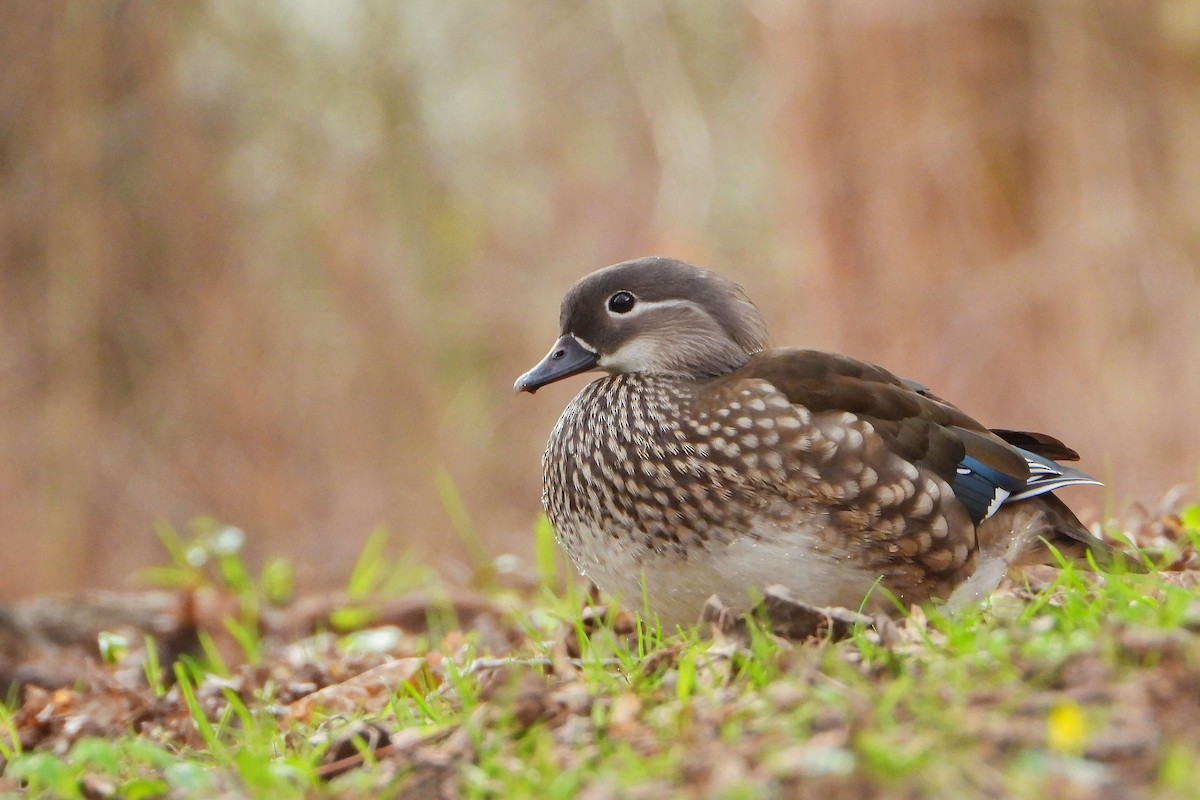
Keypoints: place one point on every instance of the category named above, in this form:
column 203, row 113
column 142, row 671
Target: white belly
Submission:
column 676, row 588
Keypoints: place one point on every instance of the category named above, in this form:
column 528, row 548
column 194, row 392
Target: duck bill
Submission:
column 566, row 358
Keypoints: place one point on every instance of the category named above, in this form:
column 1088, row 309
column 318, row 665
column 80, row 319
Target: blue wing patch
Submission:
column 983, row 489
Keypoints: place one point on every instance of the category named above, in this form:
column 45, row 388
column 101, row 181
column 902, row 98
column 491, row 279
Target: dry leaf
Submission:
column 369, row 691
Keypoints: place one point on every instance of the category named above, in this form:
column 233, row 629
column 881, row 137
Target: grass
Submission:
column 1066, row 684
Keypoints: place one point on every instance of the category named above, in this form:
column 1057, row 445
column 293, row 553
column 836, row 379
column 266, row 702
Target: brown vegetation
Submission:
column 280, row 265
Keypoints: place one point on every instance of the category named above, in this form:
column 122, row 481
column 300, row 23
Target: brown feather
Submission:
column 1041, row 443
column 914, row 424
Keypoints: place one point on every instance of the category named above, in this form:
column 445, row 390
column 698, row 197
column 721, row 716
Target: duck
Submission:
column 702, row 461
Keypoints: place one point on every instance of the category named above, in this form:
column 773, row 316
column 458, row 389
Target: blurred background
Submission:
column 279, row 263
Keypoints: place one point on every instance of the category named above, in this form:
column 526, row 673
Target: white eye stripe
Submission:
column 642, row 306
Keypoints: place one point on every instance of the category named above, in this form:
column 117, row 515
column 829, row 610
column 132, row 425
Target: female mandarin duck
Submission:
column 705, row 463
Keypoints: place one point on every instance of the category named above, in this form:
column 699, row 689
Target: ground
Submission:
column 1065, row 683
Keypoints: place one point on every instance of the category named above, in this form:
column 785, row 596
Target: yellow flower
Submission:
column 1066, row 729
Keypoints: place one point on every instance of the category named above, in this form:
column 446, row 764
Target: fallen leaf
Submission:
column 369, row 691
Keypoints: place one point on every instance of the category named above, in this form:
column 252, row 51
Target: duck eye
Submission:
column 621, row 303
